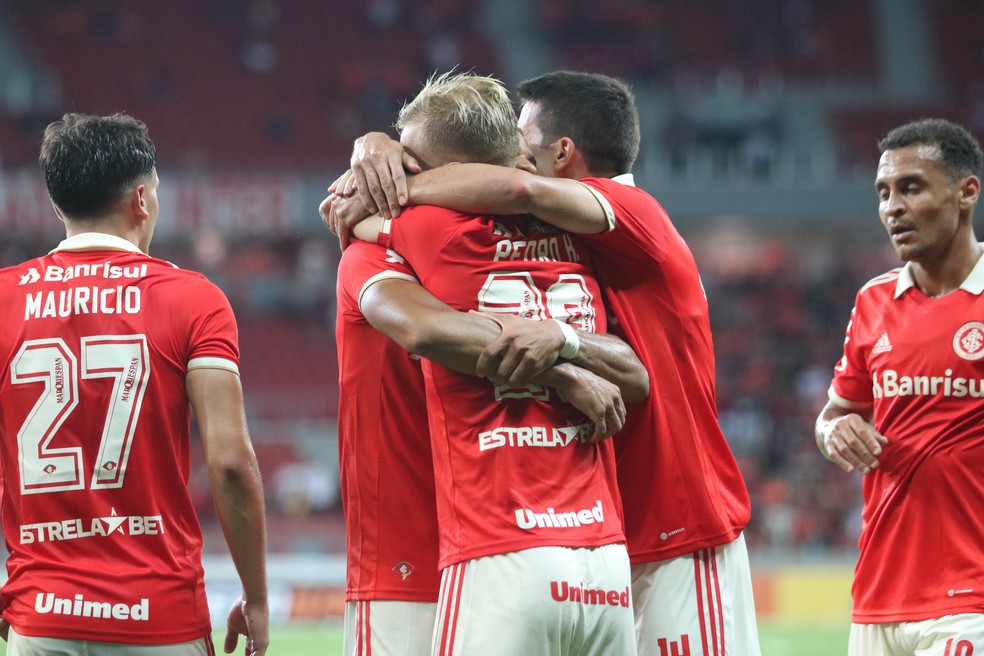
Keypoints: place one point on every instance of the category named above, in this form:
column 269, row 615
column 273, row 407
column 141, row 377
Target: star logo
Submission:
column 114, row 523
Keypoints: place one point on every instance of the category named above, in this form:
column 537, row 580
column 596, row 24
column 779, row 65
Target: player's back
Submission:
column 94, row 441
column 682, row 489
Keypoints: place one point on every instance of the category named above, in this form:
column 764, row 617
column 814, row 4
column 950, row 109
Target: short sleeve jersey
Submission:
column 384, row 446
column 103, row 537
column 681, row 487
column 918, row 364
column 511, row 472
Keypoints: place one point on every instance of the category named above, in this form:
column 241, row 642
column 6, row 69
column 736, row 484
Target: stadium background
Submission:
column 760, row 120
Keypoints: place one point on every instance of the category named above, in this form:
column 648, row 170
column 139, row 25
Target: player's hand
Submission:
column 522, row 350
column 598, row 399
column 852, row 443
column 344, row 185
column 4, row 628
column 378, row 163
column 251, row 621
column 340, row 214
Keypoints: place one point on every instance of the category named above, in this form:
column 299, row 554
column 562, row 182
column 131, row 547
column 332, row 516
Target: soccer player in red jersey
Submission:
column 906, row 405
column 531, row 544
column 684, row 498
column 106, row 350
column 386, row 472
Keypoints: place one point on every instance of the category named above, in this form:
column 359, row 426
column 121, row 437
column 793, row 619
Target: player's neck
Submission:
column 105, row 225
column 939, row 278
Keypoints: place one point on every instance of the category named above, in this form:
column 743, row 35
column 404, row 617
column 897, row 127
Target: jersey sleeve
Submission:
column 214, row 336
column 363, row 265
column 419, row 234
column 851, row 385
column 637, row 224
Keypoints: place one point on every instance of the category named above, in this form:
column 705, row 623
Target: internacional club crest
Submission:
column 404, row 569
column 968, row 343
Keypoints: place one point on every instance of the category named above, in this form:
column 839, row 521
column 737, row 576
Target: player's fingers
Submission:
column 395, row 187
column 231, row 639
column 620, row 412
column 489, row 359
column 377, row 190
column 362, row 186
column 860, row 456
column 344, row 236
column 339, row 182
column 410, row 164
column 324, row 209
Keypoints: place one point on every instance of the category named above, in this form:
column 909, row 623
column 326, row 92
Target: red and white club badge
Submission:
column 968, row 343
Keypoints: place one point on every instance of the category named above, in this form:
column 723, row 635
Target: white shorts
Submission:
column 951, row 635
column 388, row 628
column 698, row 604
column 547, row 601
column 18, row 645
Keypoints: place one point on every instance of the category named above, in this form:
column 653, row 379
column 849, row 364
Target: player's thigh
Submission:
column 388, row 628
column 952, row 635
column 700, row 603
column 18, row 645
column 548, row 601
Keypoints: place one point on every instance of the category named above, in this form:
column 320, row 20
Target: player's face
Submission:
column 524, row 159
column 544, row 155
column 918, row 203
column 412, row 139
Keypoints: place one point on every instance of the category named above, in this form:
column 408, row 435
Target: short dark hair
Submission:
column 597, row 111
column 960, row 153
column 89, row 161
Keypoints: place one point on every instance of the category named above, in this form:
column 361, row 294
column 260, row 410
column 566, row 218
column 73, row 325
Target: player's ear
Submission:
column 970, row 192
column 566, row 152
column 137, row 202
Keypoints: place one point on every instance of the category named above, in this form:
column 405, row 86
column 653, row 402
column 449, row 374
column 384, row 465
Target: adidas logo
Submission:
column 882, row 345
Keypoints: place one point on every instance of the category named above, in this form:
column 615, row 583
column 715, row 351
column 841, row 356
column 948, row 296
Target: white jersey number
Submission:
column 123, row 359
column 567, row 300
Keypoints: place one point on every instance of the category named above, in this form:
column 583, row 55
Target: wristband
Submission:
column 572, row 343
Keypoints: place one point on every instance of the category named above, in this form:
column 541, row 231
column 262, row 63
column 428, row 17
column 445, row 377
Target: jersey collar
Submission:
column 96, row 241
column 974, row 283
column 626, row 179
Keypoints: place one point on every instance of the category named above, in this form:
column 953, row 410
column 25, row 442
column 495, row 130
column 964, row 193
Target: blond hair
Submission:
column 465, row 118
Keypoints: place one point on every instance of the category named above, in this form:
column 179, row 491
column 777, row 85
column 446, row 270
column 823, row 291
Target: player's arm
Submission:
column 847, row 438
column 473, row 188
column 423, row 324
column 526, row 348
column 488, row 189
column 216, row 396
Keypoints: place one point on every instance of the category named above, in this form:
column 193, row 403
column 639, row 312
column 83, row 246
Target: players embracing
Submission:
column 684, row 498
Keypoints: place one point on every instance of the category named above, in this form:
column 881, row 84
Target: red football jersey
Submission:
column 104, row 541
column 918, row 363
column 681, row 487
column 384, row 445
column 511, row 473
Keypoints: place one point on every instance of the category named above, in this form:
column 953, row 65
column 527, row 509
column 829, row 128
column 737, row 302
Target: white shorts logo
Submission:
column 968, row 343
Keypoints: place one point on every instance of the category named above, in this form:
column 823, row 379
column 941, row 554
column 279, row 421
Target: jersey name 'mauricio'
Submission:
column 890, row 384
column 82, row 300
